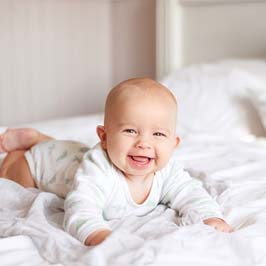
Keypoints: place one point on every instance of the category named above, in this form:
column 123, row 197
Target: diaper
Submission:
column 53, row 164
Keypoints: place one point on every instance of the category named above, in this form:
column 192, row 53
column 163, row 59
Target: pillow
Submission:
column 212, row 100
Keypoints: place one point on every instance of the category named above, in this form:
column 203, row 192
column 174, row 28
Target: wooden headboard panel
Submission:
column 193, row 31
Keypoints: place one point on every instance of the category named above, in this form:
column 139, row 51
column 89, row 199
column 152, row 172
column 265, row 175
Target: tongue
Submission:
column 140, row 159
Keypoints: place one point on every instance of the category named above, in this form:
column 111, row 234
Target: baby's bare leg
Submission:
column 20, row 139
column 16, row 142
column 15, row 168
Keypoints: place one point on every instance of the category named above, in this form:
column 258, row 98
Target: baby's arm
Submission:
column 191, row 200
column 97, row 237
column 219, row 224
column 83, row 215
column 84, row 204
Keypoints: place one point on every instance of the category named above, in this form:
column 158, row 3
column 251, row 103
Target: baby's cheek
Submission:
column 168, row 152
column 164, row 157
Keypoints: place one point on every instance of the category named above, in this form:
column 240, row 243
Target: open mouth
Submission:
column 140, row 160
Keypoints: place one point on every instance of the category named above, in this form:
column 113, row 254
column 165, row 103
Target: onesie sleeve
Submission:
column 84, row 204
column 186, row 195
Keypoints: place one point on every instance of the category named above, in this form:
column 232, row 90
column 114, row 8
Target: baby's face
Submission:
column 139, row 136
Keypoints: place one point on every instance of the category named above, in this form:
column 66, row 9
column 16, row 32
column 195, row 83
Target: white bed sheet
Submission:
column 234, row 172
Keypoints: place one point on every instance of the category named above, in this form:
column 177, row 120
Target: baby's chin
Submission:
column 138, row 174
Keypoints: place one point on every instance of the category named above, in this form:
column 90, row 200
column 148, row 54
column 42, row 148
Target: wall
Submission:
column 133, row 38
column 61, row 57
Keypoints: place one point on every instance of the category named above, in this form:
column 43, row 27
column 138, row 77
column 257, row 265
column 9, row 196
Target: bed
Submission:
column 222, row 124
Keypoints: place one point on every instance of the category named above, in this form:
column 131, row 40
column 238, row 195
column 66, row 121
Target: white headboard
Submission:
column 193, row 31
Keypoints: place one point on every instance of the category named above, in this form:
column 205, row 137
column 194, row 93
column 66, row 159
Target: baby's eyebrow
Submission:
column 154, row 129
column 123, row 124
column 165, row 130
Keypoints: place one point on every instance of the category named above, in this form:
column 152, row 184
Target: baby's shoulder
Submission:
column 96, row 169
column 98, row 157
column 95, row 163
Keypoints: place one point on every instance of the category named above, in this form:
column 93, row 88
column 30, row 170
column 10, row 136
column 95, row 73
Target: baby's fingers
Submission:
column 224, row 228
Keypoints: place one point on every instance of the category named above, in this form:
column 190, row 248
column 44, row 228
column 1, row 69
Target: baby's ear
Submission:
column 177, row 140
column 102, row 135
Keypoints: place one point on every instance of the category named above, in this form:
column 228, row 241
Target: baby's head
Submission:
column 139, row 126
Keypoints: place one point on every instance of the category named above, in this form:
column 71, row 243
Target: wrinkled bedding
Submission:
column 234, row 172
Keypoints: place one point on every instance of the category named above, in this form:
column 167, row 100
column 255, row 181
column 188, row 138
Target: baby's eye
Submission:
column 130, row 131
column 159, row 134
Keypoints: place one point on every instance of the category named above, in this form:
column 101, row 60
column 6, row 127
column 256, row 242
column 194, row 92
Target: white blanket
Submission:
column 233, row 172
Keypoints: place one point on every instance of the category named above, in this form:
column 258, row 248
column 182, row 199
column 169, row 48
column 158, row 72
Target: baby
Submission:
column 129, row 172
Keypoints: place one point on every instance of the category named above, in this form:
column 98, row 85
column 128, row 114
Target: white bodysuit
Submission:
column 96, row 191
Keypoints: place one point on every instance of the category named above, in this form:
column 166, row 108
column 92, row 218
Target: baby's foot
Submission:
column 18, row 139
column 1, row 147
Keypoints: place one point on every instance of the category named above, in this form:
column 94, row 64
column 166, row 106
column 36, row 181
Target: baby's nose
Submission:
column 143, row 144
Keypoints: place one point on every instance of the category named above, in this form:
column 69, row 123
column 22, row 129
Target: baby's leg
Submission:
column 20, row 139
column 16, row 142
column 15, row 168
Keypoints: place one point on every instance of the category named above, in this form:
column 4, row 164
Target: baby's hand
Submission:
column 97, row 237
column 219, row 224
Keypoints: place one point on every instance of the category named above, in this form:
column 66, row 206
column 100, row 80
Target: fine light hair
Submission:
column 136, row 85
